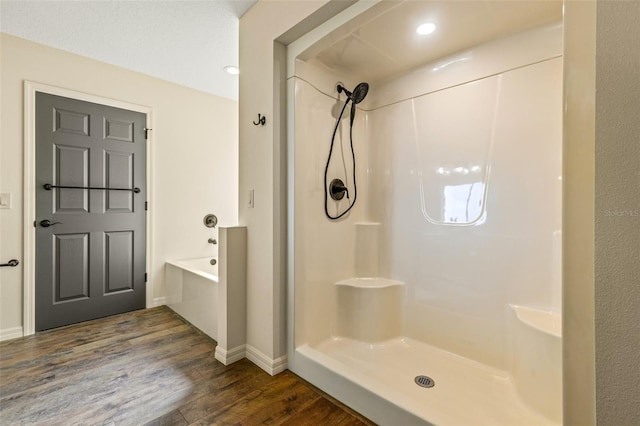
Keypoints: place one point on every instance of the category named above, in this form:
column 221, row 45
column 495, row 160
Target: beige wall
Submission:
column 195, row 164
column 261, row 166
column 617, row 213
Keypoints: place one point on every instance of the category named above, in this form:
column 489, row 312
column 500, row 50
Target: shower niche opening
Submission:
column 449, row 216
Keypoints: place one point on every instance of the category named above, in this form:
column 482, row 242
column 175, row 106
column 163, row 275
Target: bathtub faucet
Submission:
column 212, row 241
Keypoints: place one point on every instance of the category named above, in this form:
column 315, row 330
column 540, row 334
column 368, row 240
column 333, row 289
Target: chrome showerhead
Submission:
column 358, row 94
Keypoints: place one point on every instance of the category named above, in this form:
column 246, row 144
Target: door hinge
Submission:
column 146, row 132
column 146, row 205
column 145, row 277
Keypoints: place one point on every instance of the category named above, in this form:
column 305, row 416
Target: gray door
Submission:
column 90, row 255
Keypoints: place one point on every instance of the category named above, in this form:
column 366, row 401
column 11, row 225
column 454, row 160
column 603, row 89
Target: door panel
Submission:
column 71, row 122
column 72, row 169
column 90, row 262
column 118, row 130
column 70, row 267
column 118, row 261
column 119, row 174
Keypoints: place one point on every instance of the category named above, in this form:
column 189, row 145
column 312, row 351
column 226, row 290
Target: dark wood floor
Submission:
column 148, row 367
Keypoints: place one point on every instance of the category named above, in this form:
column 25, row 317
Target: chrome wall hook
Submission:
column 261, row 120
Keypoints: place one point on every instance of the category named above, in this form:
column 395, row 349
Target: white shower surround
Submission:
column 460, row 277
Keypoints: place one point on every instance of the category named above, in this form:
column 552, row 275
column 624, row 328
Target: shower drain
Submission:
column 425, row 381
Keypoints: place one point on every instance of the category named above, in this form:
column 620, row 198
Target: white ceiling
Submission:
column 389, row 44
column 183, row 41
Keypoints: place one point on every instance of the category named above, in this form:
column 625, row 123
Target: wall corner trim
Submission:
column 271, row 366
column 158, row 301
column 232, row 355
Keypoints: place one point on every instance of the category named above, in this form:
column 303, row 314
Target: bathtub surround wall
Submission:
column 232, row 295
column 213, row 297
column 194, row 137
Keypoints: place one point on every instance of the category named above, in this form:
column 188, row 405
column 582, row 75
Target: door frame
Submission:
column 29, row 191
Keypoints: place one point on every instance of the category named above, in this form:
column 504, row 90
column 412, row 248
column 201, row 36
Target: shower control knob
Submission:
column 210, row 221
column 212, row 241
column 338, row 190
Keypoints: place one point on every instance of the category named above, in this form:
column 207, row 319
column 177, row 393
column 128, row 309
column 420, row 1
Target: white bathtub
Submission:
column 192, row 292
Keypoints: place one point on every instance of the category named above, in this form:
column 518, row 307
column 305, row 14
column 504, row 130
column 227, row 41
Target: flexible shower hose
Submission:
column 353, row 156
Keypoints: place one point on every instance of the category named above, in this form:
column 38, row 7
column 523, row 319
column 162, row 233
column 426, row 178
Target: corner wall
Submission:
column 578, row 213
column 325, row 250
column 601, row 297
column 262, row 160
column 194, row 169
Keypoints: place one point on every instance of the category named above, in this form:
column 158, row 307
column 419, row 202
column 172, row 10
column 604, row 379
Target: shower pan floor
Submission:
column 465, row 392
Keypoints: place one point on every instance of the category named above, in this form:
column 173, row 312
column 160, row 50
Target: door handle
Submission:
column 47, row 223
column 12, row 263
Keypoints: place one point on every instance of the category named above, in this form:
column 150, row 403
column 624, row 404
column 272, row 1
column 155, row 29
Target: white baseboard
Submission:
column 11, row 333
column 158, row 301
column 232, row 355
column 271, row 366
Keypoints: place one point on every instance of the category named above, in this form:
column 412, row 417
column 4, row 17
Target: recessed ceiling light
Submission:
column 426, row 28
column 232, row 70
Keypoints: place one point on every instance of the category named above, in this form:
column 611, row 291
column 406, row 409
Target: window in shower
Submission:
column 463, row 203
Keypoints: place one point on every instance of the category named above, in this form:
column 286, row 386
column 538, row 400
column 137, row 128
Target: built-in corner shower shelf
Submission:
column 372, row 282
column 545, row 321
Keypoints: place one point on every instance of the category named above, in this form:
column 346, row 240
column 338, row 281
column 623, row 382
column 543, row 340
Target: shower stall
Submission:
column 425, row 230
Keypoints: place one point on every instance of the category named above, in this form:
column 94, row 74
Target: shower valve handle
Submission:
column 337, row 190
